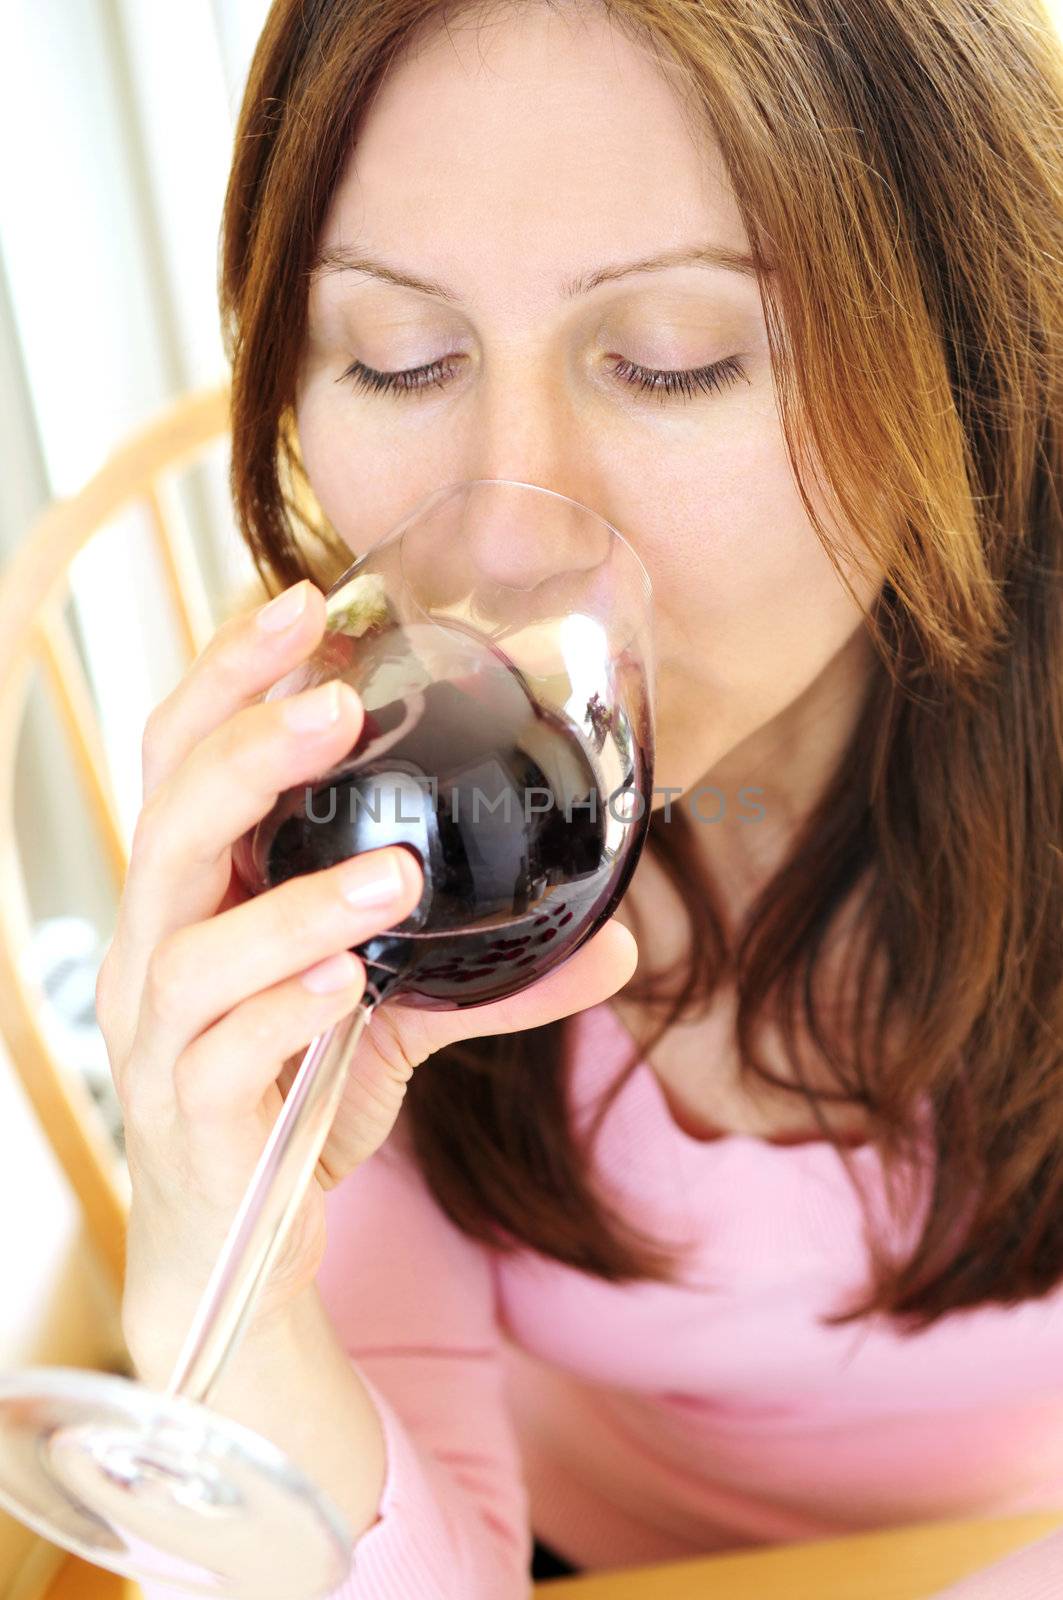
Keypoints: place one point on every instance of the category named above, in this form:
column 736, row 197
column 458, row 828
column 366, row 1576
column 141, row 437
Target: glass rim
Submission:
column 468, row 483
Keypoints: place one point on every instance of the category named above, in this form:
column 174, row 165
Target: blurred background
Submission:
column 116, row 124
column 123, row 112
column 118, row 556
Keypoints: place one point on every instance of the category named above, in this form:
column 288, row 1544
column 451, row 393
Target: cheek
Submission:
column 749, row 608
column 364, row 477
column 732, row 536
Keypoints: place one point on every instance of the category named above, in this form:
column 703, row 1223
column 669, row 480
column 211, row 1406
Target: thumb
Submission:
column 587, row 977
column 595, row 971
column 401, row 1038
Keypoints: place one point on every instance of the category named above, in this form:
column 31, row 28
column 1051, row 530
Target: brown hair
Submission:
column 899, row 164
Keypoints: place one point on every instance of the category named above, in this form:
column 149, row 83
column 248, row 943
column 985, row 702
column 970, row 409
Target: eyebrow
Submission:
column 336, row 259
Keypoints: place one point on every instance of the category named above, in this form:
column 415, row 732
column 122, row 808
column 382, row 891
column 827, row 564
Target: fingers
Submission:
column 180, row 863
column 225, row 1072
column 244, row 658
column 202, row 971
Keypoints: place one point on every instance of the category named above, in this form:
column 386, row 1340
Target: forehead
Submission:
column 526, row 146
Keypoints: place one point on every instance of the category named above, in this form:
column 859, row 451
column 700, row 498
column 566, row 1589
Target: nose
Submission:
column 507, row 554
column 526, row 428
column 520, row 535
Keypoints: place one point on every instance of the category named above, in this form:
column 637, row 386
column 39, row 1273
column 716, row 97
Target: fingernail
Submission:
column 284, row 610
column 335, row 972
column 373, row 880
column 315, row 710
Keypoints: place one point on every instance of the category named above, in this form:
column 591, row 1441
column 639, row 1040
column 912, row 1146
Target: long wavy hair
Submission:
column 899, row 162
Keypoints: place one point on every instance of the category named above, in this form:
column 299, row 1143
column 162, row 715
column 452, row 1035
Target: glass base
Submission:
column 163, row 1490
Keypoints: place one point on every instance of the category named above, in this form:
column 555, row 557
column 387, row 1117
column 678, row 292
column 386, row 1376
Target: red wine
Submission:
column 517, row 814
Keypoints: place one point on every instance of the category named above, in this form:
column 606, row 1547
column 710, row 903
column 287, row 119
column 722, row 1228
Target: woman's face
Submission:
column 503, row 163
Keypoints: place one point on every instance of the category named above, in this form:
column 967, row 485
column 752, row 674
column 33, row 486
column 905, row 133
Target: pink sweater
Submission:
column 642, row 1423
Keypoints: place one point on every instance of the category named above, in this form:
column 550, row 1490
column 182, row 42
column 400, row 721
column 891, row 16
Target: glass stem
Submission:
column 269, row 1205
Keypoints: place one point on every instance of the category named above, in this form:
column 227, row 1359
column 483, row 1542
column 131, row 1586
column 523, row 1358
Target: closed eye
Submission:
column 705, row 380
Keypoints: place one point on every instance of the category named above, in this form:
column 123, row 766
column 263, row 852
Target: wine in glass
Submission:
column 499, row 638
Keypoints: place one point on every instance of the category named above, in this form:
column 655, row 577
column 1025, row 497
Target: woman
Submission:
column 768, row 1245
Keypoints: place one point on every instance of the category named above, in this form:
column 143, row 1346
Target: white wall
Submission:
column 110, row 204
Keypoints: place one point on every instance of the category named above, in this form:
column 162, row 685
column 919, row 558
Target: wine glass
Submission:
column 499, row 637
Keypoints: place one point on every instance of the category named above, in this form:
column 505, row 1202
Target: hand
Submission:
column 207, row 998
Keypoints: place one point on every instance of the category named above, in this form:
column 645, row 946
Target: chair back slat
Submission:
column 74, row 1579
column 33, row 635
column 183, row 579
column 74, row 702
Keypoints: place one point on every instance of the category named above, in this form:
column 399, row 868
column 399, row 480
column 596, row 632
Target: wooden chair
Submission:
column 37, row 646
column 34, row 589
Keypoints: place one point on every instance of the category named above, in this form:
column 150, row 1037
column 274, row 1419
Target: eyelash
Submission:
column 648, row 379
